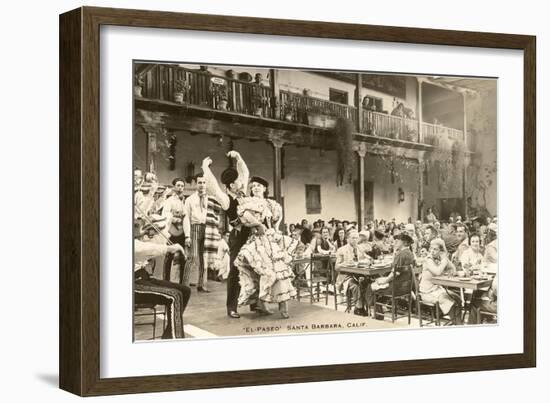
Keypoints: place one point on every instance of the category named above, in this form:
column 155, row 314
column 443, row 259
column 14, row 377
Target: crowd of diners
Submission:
column 179, row 234
column 456, row 247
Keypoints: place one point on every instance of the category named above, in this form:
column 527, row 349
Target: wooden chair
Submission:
column 144, row 309
column 300, row 268
column 400, row 291
column 433, row 308
column 320, row 277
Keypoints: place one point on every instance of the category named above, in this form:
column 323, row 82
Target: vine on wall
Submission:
column 343, row 130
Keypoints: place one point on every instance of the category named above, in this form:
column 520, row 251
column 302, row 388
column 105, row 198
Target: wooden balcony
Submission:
column 235, row 100
column 313, row 111
column 388, row 126
column 437, row 135
column 204, row 89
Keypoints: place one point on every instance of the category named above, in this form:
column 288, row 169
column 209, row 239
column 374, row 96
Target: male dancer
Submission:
column 235, row 181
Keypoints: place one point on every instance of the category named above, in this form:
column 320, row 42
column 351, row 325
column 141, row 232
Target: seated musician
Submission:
column 152, row 291
column 349, row 284
column 399, row 276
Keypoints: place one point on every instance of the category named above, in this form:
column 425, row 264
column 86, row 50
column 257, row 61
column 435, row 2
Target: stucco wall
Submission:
column 481, row 114
column 302, row 166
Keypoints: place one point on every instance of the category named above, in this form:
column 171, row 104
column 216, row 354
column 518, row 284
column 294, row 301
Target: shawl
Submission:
column 212, row 233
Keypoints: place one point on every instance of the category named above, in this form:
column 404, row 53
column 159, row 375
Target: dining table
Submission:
column 473, row 283
column 368, row 270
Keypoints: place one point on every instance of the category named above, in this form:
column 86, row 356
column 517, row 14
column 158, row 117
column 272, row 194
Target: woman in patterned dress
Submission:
column 265, row 275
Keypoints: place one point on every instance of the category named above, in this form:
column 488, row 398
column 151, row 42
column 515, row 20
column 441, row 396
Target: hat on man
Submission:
column 229, row 176
column 364, row 233
column 410, row 227
column 405, row 238
column 493, row 227
column 260, row 180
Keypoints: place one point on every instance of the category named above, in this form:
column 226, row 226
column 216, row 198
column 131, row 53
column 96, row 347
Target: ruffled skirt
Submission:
column 264, row 272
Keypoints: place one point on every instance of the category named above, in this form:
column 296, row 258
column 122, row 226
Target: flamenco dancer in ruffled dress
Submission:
column 265, row 275
column 259, row 273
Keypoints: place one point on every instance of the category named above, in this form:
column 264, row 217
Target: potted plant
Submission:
column 138, row 86
column 181, row 87
column 319, row 116
column 245, row 76
column 219, row 95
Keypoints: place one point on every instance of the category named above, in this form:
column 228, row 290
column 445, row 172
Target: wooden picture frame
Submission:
column 80, row 195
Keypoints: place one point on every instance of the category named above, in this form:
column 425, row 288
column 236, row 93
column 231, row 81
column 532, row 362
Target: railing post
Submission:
column 277, row 141
column 466, row 158
column 419, row 109
column 421, row 168
column 358, row 100
column 274, row 101
column 361, row 152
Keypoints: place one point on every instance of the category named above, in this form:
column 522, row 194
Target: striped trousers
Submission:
column 194, row 271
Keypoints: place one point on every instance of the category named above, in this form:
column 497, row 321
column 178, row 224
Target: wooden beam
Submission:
column 153, row 115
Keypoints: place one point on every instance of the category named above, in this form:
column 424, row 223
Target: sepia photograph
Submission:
column 283, row 201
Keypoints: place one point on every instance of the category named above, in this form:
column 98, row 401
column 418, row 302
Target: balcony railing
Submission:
column 313, row 111
column 438, row 135
column 389, row 126
column 204, row 89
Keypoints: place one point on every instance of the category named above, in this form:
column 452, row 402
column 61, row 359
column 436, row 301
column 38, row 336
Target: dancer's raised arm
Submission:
column 212, row 187
column 242, row 169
